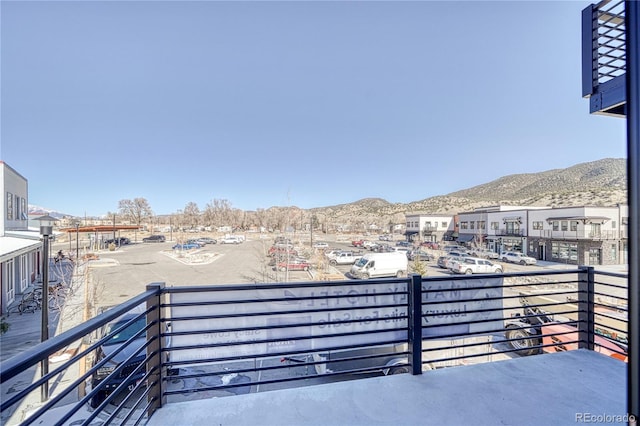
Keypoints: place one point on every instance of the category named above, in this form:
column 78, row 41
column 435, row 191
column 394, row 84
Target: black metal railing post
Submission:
column 154, row 335
column 586, row 312
column 632, row 26
column 415, row 323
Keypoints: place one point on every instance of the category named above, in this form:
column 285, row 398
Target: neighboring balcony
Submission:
column 451, row 349
column 511, row 232
column 579, row 234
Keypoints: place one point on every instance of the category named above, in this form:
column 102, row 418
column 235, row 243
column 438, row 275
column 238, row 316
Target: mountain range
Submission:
column 597, row 183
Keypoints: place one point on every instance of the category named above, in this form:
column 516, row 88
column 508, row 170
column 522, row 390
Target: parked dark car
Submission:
column 403, row 244
column 154, row 239
column 118, row 340
column 420, row 255
column 122, row 241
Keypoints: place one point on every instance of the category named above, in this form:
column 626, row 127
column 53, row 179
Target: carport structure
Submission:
column 96, row 231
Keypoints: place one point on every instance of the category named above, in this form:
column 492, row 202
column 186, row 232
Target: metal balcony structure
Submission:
column 280, row 352
column 604, row 58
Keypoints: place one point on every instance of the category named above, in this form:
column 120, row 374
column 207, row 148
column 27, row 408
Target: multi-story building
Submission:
column 429, row 227
column 19, row 246
column 574, row 235
column 580, row 235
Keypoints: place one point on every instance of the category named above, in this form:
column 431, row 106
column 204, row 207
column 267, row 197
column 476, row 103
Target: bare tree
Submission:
column 136, row 210
column 192, row 214
column 218, row 212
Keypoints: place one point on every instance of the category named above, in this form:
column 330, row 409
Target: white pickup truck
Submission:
column 344, row 258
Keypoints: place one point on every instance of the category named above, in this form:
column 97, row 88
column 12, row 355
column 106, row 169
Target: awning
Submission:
column 11, row 247
column 512, row 219
column 465, row 238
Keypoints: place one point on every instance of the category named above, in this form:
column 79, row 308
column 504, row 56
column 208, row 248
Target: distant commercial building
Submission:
column 584, row 235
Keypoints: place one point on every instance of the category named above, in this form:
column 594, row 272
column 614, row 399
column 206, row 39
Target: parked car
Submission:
column 368, row 244
column 186, row 246
column 357, row 243
column 430, row 244
column 117, row 350
column 207, row 240
column 154, row 239
column 294, row 265
column 344, row 258
column 384, row 248
column 517, row 257
column 200, row 244
column 474, row 265
column 231, row 240
column 403, row 244
column 443, row 261
column 385, row 237
column 484, row 253
column 418, row 254
column 122, row 241
column 320, row 244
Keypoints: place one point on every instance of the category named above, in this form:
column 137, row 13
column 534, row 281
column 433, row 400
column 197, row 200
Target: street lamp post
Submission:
column 46, row 230
column 77, row 243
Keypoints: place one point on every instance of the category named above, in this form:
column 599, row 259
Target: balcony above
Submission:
column 604, row 58
column 540, row 390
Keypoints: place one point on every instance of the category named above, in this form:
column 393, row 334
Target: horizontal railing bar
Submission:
column 287, row 312
column 13, row 366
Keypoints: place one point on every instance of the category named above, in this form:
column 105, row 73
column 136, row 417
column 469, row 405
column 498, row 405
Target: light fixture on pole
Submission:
column 46, row 230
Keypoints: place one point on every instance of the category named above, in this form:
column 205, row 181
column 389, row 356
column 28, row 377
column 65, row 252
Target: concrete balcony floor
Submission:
column 550, row 389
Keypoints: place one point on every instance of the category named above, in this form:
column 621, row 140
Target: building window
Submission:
column 537, row 225
column 614, row 252
column 472, row 224
column 444, row 225
column 482, row 224
column 494, row 225
column 9, row 206
column 556, row 225
column 625, row 221
column 464, row 225
column 564, row 225
column 573, row 225
column 613, row 224
column 564, row 251
column 513, row 228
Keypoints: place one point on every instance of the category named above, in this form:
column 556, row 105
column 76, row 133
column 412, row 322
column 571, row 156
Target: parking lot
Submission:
column 123, row 273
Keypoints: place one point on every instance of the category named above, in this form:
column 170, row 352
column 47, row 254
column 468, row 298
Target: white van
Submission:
column 376, row 265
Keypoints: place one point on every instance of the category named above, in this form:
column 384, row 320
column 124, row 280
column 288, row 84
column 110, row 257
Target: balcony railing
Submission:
column 579, row 235
column 241, row 338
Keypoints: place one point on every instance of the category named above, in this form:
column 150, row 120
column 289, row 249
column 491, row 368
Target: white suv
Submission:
column 517, row 257
column 474, row 265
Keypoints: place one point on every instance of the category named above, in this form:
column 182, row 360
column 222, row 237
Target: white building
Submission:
column 581, row 235
column 19, row 246
column 428, row 227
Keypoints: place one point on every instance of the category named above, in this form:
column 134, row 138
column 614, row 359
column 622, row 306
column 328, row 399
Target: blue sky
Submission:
column 306, row 104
